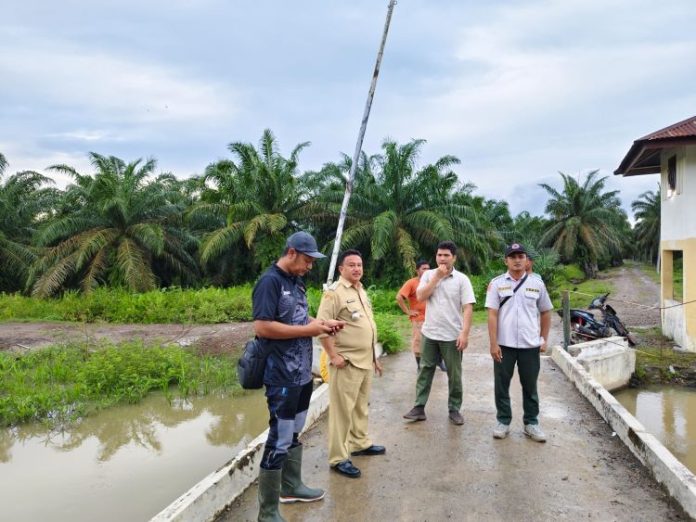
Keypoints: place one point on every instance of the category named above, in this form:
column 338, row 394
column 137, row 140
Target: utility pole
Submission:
column 358, row 147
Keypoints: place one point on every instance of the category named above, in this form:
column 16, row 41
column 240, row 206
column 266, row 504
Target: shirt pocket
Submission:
column 531, row 297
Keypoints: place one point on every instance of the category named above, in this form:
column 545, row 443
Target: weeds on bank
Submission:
column 658, row 363
column 62, row 383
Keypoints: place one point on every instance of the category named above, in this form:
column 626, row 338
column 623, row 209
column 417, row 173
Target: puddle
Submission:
column 669, row 413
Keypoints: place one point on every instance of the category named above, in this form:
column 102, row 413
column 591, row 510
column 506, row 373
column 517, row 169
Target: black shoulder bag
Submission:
column 506, row 298
column 252, row 364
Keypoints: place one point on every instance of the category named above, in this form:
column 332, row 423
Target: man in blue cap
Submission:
column 282, row 322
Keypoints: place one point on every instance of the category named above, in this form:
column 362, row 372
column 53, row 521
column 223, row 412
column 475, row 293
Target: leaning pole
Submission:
column 358, row 147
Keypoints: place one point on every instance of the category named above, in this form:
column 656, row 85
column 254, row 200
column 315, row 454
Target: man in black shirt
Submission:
column 281, row 320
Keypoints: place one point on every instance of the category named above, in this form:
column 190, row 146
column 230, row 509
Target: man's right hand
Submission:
column 496, row 353
column 338, row 361
column 441, row 272
column 318, row 327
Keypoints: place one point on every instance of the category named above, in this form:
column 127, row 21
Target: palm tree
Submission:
column 647, row 229
column 116, row 228
column 584, row 222
column 253, row 205
column 23, row 206
column 398, row 213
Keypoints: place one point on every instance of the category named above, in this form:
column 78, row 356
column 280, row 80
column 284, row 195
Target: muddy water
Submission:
column 126, row 463
column 668, row 413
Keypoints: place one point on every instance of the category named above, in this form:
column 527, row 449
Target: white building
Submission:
column 671, row 152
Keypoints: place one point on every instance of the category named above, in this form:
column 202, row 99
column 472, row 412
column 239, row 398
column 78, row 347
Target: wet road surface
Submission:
column 435, row 471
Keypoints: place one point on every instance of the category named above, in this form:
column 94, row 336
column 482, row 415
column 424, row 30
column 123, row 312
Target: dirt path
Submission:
column 212, row 338
column 633, row 296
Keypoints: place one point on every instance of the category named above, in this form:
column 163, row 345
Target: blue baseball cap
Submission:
column 305, row 244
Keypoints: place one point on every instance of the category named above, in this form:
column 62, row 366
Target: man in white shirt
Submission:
column 449, row 297
column 519, row 320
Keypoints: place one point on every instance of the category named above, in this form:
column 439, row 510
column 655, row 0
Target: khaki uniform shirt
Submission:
column 518, row 319
column 356, row 341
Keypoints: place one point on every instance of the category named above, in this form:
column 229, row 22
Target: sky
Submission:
column 518, row 90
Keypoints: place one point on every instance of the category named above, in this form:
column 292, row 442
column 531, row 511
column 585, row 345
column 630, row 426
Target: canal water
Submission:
column 669, row 413
column 125, row 463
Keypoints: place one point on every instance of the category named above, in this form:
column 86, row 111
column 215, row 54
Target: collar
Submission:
column 508, row 275
column 348, row 284
column 283, row 273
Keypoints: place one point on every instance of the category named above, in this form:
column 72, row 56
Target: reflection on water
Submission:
column 125, row 463
column 669, row 413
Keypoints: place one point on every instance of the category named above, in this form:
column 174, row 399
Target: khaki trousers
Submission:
column 349, row 391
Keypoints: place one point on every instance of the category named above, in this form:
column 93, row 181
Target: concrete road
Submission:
column 435, row 471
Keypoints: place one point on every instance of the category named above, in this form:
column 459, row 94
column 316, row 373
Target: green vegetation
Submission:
column 647, row 230
column 587, row 225
column 582, row 291
column 61, row 383
column 168, row 305
column 658, row 363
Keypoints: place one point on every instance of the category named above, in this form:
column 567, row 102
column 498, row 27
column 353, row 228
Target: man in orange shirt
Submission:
column 413, row 308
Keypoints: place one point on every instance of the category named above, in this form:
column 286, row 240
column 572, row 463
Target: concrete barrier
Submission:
column 609, row 361
column 667, row 470
column 205, row 500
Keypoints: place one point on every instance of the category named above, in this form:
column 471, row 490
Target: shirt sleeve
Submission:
column 424, row 280
column 327, row 307
column 468, row 296
column 492, row 298
column 406, row 289
column 265, row 299
column 544, row 302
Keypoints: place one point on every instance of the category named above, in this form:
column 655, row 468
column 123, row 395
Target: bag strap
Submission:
column 507, row 297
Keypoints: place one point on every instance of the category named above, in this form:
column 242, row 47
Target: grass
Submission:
column 658, row 363
column 62, row 383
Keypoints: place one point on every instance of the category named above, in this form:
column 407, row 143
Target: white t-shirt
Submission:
column 443, row 313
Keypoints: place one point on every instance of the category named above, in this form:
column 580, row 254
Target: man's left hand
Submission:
column 462, row 342
column 542, row 348
column 378, row 368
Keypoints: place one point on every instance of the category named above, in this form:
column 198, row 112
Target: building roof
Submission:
column 644, row 155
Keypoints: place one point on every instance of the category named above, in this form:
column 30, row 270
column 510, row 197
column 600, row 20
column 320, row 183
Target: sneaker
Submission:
column 501, row 431
column 456, row 418
column 416, row 414
column 533, row 431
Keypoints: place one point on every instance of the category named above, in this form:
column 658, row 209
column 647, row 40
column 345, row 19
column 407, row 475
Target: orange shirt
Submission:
column 409, row 292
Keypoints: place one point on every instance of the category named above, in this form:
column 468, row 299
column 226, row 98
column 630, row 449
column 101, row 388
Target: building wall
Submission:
column 679, row 211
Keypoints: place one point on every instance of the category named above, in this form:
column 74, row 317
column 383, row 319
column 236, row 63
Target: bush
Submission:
column 61, row 383
column 387, row 332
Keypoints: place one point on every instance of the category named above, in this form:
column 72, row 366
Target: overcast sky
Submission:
column 518, row 89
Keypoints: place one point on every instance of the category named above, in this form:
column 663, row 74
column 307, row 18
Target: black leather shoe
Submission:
column 372, row 450
column 345, row 467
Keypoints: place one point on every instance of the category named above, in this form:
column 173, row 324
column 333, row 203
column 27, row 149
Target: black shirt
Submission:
column 289, row 362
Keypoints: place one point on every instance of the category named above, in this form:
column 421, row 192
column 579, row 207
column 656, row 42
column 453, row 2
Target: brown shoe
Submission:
column 416, row 414
column 456, row 418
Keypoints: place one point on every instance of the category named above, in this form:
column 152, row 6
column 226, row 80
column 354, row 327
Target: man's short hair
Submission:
column 346, row 253
column 448, row 245
column 421, row 262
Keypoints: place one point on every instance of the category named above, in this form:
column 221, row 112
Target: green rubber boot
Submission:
column 269, row 489
column 292, row 489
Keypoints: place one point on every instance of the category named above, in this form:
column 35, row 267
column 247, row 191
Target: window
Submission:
column 671, row 176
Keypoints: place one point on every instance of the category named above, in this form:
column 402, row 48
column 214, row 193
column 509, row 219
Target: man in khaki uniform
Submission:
column 352, row 359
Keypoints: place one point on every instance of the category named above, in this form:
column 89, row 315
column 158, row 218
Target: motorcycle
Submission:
column 584, row 326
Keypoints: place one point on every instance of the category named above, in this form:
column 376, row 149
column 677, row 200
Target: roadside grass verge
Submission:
column 60, row 384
